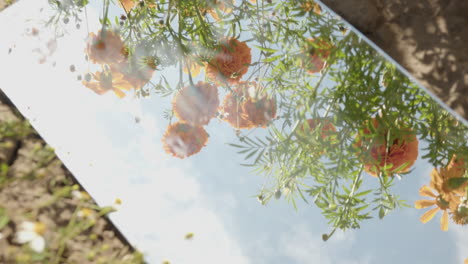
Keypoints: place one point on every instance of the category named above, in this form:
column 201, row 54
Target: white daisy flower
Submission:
column 32, row 233
column 80, row 195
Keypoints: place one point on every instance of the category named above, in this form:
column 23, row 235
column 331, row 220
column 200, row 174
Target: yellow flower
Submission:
column 221, row 5
column 108, row 81
column 128, row 5
column 439, row 202
column 311, row 5
column 440, row 178
column 192, row 67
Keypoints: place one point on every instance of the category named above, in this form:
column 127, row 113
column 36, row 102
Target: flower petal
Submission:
column 27, row 226
column 24, row 236
column 444, row 221
column 426, row 191
column 427, row 216
column 38, row 244
column 420, row 204
column 119, row 93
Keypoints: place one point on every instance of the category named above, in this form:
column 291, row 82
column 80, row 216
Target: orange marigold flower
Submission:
column 232, row 110
column 230, row 63
column 440, row 203
column 248, row 106
column 108, row 81
column 105, row 48
column 397, row 152
column 196, row 104
column 183, row 140
column 315, row 53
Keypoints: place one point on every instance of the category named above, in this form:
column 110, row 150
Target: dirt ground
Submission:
column 427, row 37
column 35, row 186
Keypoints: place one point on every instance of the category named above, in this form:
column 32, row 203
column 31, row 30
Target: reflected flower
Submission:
column 232, row 110
column 183, row 140
column 192, row 67
column 315, row 53
column 457, row 166
column 32, row 233
column 130, row 4
column 137, row 73
column 230, row 63
column 196, row 104
column 222, row 6
column 440, row 178
column 392, row 157
column 108, row 81
column 439, row 201
column 311, row 5
column 248, row 106
column 127, row 4
column 105, row 48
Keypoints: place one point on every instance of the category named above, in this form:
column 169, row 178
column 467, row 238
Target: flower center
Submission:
column 39, row 228
column 442, row 203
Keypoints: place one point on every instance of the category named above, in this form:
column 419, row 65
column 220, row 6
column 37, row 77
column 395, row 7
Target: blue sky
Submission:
column 208, row 194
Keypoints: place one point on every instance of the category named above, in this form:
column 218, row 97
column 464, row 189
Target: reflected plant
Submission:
column 280, row 65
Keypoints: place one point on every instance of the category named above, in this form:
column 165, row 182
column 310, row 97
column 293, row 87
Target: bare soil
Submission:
column 427, row 37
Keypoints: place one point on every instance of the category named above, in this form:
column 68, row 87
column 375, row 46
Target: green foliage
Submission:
column 4, row 219
column 15, row 129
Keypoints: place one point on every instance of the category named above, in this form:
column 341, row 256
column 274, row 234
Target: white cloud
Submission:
column 461, row 241
column 304, row 246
